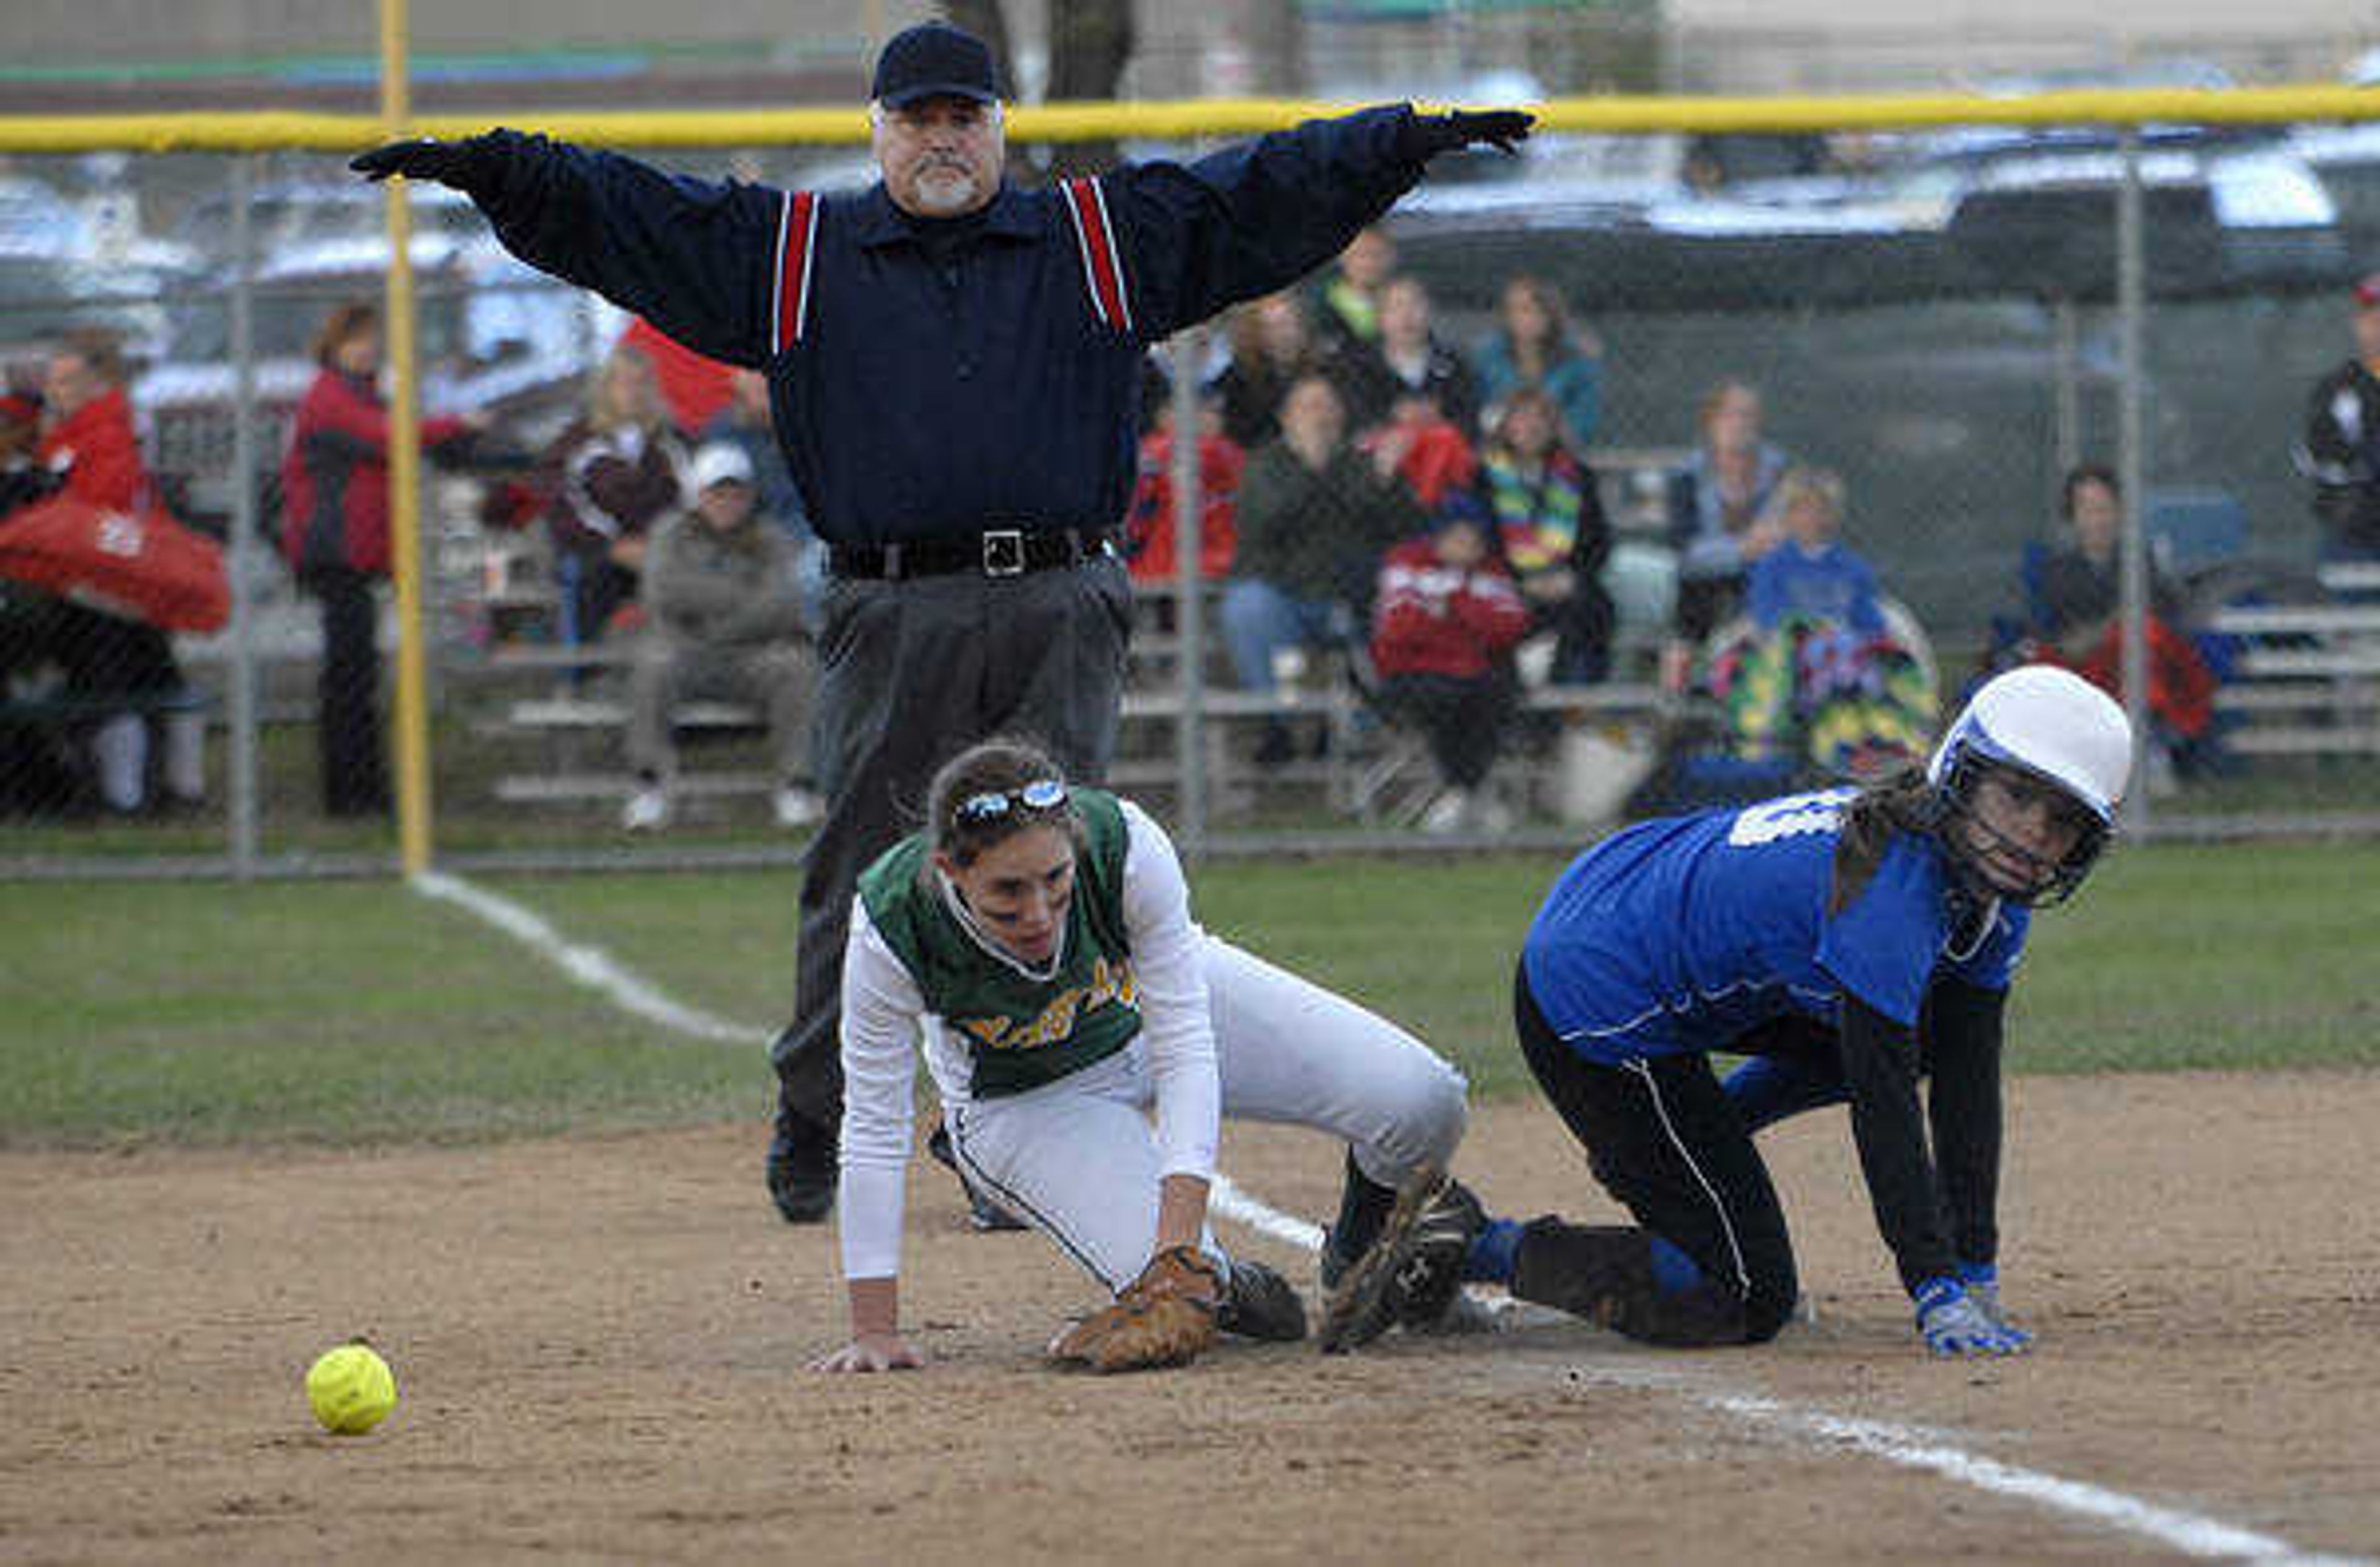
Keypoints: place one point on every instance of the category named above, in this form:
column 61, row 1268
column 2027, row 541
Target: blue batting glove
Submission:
column 1955, row 1326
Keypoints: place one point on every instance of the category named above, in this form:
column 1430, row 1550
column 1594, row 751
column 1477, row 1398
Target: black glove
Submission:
column 463, row 164
column 1425, row 136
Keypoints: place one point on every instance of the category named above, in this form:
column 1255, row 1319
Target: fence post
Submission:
column 243, row 545
column 1186, row 351
column 2130, row 280
column 405, row 471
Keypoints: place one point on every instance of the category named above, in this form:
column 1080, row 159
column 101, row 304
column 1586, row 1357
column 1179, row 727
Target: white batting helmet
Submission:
column 2054, row 725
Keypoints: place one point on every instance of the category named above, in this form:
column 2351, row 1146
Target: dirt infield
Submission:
column 601, row 1343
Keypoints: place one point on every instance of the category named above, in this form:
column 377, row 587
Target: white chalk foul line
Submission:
column 591, row 966
column 2184, row 1532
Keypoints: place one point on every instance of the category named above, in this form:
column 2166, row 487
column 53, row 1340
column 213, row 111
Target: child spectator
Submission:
column 1448, row 617
column 1812, row 574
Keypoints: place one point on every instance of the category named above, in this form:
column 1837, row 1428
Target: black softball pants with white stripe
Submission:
column 1663, row 1138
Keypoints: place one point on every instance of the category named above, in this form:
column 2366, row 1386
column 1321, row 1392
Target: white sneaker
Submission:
column 648, row 809
column 797, row 807
column 1448, row 813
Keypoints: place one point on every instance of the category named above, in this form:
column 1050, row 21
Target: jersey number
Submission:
column 1789, row 817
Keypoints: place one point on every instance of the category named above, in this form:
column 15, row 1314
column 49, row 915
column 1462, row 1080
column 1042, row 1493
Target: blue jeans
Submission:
column 1259, row 619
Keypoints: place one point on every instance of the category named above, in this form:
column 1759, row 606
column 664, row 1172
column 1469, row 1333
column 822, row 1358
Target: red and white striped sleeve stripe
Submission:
column 797, row 237
column 1102, row 259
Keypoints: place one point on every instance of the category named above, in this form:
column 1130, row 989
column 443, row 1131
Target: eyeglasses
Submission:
column 1041, row 794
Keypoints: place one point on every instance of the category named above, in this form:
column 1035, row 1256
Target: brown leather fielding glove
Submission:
column 1164, row 1318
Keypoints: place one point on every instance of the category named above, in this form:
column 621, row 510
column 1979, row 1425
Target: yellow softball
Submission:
column 352, row 1390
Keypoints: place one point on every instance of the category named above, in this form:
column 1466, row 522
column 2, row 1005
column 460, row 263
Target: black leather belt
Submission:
column 1002, row 552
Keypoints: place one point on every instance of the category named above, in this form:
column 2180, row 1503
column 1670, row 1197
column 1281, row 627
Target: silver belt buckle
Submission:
column 1003, row 552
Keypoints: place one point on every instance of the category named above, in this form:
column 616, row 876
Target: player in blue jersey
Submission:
column 1846, row 942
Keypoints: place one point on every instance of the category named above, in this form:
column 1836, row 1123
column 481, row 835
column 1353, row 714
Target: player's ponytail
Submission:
column 1903, row 802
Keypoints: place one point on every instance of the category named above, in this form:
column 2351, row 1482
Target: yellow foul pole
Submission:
column 412, row 716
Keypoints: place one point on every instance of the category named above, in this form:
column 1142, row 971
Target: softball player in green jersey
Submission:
column 1038, row 938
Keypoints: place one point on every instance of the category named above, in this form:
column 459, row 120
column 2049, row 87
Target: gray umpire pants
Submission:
column 911, row 674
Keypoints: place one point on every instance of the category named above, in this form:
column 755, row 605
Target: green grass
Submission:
column 350, row 1013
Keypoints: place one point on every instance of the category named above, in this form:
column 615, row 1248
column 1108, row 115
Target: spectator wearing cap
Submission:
column 722, row 621
column 2340, row 449
column 956, row 366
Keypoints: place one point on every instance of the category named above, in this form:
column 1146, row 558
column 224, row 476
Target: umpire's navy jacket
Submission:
column 995, row 387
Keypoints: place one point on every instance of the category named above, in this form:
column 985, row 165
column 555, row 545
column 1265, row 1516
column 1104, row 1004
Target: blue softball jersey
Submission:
column 1681, row 933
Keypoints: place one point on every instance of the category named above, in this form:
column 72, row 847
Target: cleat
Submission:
column 1414, row 1271
column 1261, row 1304
column 802, row 1171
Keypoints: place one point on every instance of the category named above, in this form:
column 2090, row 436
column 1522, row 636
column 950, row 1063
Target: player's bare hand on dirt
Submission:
column 870, row 1352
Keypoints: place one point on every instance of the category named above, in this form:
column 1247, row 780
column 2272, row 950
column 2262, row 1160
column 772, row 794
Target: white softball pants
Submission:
column 1078, row 1158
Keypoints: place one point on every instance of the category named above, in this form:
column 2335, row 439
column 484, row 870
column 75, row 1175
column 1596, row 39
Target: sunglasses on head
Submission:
column 1041, row 794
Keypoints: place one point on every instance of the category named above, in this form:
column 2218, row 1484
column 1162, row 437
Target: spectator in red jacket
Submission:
column 89, row 447
column 1445, row 623
column 334, row 533
column 1150, row 529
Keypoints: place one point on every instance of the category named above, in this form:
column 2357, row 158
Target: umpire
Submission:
column 955, row 367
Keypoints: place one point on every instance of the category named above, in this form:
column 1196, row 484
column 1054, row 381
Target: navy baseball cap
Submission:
column 934, row 60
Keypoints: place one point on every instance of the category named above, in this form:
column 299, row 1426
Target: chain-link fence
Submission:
column 1944, row 321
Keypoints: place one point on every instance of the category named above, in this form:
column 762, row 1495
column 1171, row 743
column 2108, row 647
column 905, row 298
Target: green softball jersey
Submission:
column 1020, row 1032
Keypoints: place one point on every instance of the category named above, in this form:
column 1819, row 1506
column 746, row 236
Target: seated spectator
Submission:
column 616, row 471
column 2079, row 608
column 1347, row 299
column 1812, row 575
column 2340, row 447
column 1815, row 677
column 1150, row 529
column 1535, row 344
column 1271, row 346
column 1719, row 518
column 1423, row 448
column 746, row 420
column 722, row 620
column 37, row 774
column 335, row 535
column 1550, row 527
column 1315, row 517
column 1406, row 360
column 90, row 449
column 1448, row 617
column 22, row 480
